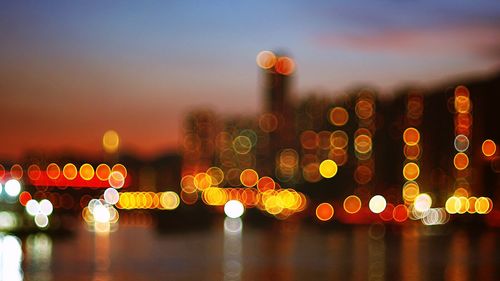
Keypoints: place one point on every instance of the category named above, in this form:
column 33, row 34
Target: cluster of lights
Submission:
column 363, row 147
column 40, row 211
column 416, row 204
column 470, row 205
column 283, row 65
column 167, row 200
column 287, row 165
column 463, row 130
column 101, row 213
column 70, row 175
column 260, row 192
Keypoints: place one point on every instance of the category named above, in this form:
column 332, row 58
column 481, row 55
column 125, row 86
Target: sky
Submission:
column 70, row 70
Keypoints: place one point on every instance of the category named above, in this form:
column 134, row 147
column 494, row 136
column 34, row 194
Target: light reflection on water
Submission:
column 233, row 250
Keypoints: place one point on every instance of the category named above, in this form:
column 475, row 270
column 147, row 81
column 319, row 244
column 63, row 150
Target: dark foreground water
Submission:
column 232, row 250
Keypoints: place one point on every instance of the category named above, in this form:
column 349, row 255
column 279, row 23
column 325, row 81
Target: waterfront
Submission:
column 279, row 251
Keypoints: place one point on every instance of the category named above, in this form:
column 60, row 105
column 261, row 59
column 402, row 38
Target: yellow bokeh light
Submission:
column 410, row 191
column 86, row 171
column 328, row 168
column 169, row 200
column 202, row 181
column 464, row 205
column 483, row 205
column 273, row 205
column 452, row 205
column 110, row 141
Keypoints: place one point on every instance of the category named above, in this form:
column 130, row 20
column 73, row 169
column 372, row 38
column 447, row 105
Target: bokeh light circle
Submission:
column 377, row 204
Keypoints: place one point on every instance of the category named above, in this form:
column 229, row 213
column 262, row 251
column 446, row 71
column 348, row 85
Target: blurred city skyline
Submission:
column 71, row 71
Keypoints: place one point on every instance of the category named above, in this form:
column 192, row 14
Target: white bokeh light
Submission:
column 111, row 196
column 32, row 207
column 12, row 187
column 423, row 202
column 41, row 220
column 377, row 204
column 101, row 214
column 234, row 209
column 46, row 207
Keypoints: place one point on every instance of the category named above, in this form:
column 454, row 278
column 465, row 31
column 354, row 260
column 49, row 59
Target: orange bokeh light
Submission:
column 364, row 109
column 363, row 174
column 411, row 152
column 462, row 104
column 266, row 183
column 339, row 116
column 411, row 171
column 400, row 213
column 249, row 177
column 411, row 136
column 284, row 66
column 34, row 172
column 202, row 181
column 87, row 172
column 461, row 161
column 309, row 139
column 268, row 122
column 352, row 204
column 324, row 211
column 69, row 171
column 24, row 197
column 121, row 169
column 339, row 139
column 363, row 144
column 53, row 171
column 102, row 172
column 16, row 171
column 338, row 155
column 489, row 148
column 461, row 91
